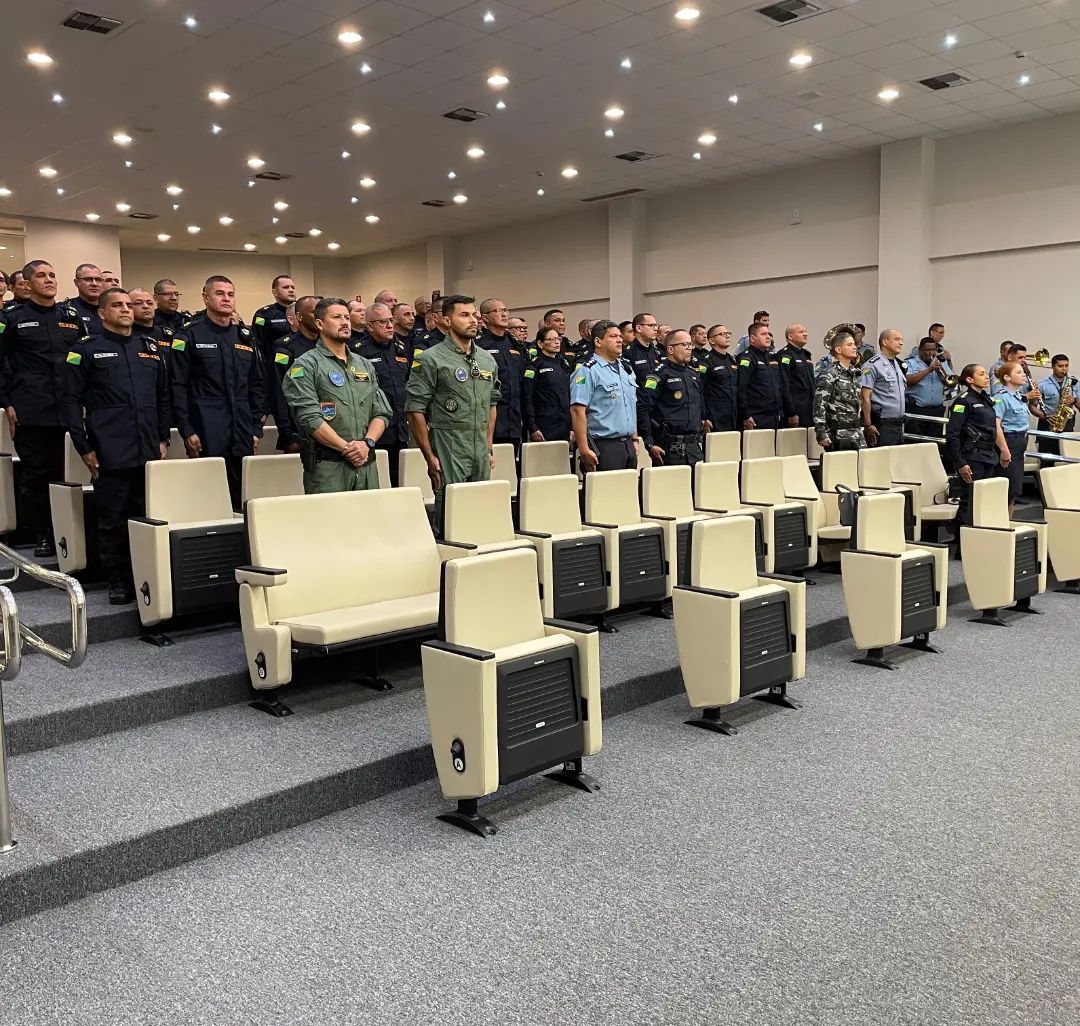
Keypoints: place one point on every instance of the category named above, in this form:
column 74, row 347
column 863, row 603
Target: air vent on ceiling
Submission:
column 611, row 195
column 464, row 114
column 143, row 217
column 947, row 81
column 273, row 176
column 787, row 11
column 810, row 97
column 635, row 155
column 85, row 22
column 435, row 203
column 296, row 235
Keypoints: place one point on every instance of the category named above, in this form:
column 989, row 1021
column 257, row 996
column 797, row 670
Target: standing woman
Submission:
column 974, row 438
column 1012, row 402
column 546, row 397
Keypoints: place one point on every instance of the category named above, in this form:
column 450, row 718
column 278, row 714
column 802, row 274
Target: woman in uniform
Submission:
column 546, row 398
column 1012, row 403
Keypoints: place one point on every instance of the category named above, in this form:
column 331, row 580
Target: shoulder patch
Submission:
column 530, row 373
column 959, row 408
column 999, row 400
column 282, row 358
column 179, row 345
column 74, row 358
column 260, row 321
column 744, row 362
column 652, row 381
column 414, row 365
column 580, row 379
column 296, row 372
column 785, row 359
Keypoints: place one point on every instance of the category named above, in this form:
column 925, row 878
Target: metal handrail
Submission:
column 10, row 663
column 70, row 657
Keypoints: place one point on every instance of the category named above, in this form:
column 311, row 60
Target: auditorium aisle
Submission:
column 904, row 849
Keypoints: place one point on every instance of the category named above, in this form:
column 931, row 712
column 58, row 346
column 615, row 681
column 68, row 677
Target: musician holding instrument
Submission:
column 1059, row 392
column 1011, row 405
column 929, row 377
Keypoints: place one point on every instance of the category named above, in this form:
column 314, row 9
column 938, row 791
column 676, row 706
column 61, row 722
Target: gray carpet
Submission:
column 903, row 850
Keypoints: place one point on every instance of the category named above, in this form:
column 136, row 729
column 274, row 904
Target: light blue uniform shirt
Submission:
column 1051, row 392
column 931, row 390
column 886, row 379
column 608, row 391
column 1011, row 409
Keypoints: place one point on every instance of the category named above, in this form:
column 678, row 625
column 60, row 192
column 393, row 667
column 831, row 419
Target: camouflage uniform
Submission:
column 837, row 409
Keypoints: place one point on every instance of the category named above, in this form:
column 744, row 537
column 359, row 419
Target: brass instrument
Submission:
column 1037, row 406
column 948, row 379
column 1063, row 414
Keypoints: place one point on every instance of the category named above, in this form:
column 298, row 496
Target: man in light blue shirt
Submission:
column 883, row 388
column 761, row 317
column 1051, row 389
column 603, row 404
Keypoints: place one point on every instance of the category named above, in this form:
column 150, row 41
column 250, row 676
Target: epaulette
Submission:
column 591, row 362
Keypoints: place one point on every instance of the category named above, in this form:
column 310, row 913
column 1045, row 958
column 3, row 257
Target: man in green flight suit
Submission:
column 450, row 400
column 335, row 399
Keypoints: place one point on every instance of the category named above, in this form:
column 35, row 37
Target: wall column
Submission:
column 302, row 271
column 626, row 260
column 907, row 202
column 441, row 272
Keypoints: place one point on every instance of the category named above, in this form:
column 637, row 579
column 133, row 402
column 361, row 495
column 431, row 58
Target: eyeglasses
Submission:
column 169, row 295
column 680, row 345
column 384, row 321
column 93, row 281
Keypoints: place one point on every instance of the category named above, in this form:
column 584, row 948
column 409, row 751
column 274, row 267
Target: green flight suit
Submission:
column 319, row 388
column 455, row 393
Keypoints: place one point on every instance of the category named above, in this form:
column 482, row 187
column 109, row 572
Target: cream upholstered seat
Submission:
column 893, row 589
column 1070, row 447
column 831, row 535
column 185, row 551
column 262, row 476
column 814, row 451
column 505, row 468
column 571, row 558
column 634, row 548
column 176, row 450
column 723, row 447
column 789, row 521
column 716, row 491
column 71, row 504
column 382, row 468
column 545, row 459
column 8, row 461
column 478, row 519
column 1004, row 560
column 1061, row 501
column 667, row 495
column 759, row 443
column 920, row 465
column 876, row 473
column 739, row 632
column 268, row 441
column 791, row 442
column 508, row 693
column 304, row 593
column 413, row 473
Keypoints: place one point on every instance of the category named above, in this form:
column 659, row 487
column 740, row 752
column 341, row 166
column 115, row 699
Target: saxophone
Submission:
column 1063, row 413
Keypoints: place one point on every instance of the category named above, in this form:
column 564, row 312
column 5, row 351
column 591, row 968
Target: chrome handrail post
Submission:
column 10, row 662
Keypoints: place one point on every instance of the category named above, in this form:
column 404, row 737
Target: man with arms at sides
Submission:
column 837, row 402
column 764, row 400
column 720, row 381
column 90, row 283
column 603, row 405
column 167, row 302
column 797, row 366
column 884, row 392
column 387, row 350
column 510, row 360
column 643, row 354
column 287, row 350
column 271, row 322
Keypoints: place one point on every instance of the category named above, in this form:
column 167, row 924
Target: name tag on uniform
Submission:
column 101, row 356
column 401, row 359
column 485, row 375
column 33, row 324
column 361, row 376
column 149, row 356
column 64, row 324
column 544, row 370
column 206, row 345
column 246, row 349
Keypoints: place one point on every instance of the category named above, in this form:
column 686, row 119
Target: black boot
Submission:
column 121, row 589
column 45, row 547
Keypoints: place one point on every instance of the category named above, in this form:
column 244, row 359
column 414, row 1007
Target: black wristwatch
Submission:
column 369, row 442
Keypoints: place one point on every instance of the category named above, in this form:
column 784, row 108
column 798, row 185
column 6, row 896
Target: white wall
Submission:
column 403, row 269
column 66, row 244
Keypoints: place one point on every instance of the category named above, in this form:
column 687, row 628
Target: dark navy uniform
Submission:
column 643, row 360
column 391, row 362
column 763, row 391
column 34, row 342
column 670, row 412
column 721, row 390
column 115, row 402
column 358, row 339
column 546, row 399
column 173, row 321
column 287, row 349
column 270, row 323
column 797, row 366
column 427, row 340
column 511, row 363
column 162, row 336
column 87, row 314
column 971, row 439
column 218, row 392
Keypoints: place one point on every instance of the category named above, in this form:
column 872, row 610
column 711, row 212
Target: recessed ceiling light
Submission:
column 216, row 129
column 819, row 127
column 626, row 63
column 59, row 191
column 57, row 98
column 697, row 156
column 501, row 105
column 193, row 229
column 93, row 217
column 800, row 59
column 5, row 192
column 539, row 192
column 314, row 232
column 47, row 172
column 333, row 245
column 128, row 164
column 354, row 199
column 123, row 207
column 281, row 240
column 252, row 183
column 173, row 190
column 274, row 220
column 476, row 152
column 121, row 139
column 706, row 138
column 38, row 57
column 889, row 93
column 281, row 205
column 164, row 237
column 569, row 172
column 733, row 98
column 349, row 37
column 367, row 182
column 216, row 95
column 372, row 218
column 950, row 41
column 256, row 163
column 1024, row 79
column 451, row 175
column 614, row 113
column 360, row 128
column 225, row 220
column 191, row 22
column 460, row 197
column 365, row 68
column 609, row 133
column 687, row 14
column 345, row 154
column 249, row 246
column 176, row 206
column 497, row 80
column 489, row 17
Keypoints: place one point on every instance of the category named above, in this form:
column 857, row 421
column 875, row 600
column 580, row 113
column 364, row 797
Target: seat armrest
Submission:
column 707, row 591
column 1028, row 523
column 945, row 545
column 656, row 516
column 596, row 523
column 532, row 534
column 1063, row 509
column 872, row 552
column 806, row 498
column 710, row 509
column 457, row 545
column 763, row 505
column 68, row 484
column 915, row 484
column 783, row 577
column 149, row 522
column 972, row 527
column 261, row 576
column 460, row 650
column 572, row 626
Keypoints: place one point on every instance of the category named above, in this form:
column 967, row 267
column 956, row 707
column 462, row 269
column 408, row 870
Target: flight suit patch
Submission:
column 461, row 374
column 328, row 410
column 485, row 375
column 296, row 372
column 450, row 405
column 415, row 364
column 336, row 378
column 361, row 376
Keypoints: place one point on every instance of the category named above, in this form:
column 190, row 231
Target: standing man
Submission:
column 114, row 401
column 603, row 405
column 20, row 289
column 142, row 308
column 627, row 330
column 287, row 350
column 90, row 283
column 1059, row 392
column 218, row 390
column 884, row 389
column 797, row 366
column 720, row 380
column 556, row 319
column 837, row 403
column 510, row 360
column 358, row 324
column 519, row 333
column 643, row 354
column 420, row 309
column 35, row 338
column 389, row 353
column 270, row 322
column 764, row 400
column 700, row 337
column 403, row 319
column 583, row 345
column 336, row 402
column 761, row 317
column 167, row 298
column 671, row 414
column 454, row 387
column 925, row 393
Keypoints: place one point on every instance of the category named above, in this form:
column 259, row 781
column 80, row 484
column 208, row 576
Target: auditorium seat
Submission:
column 185, row 550
column 637, row 567
column 71, row 505
column 814, row 452
column 1004, row 560
column 296, row 597
column 1061, row 501
column 413, row 473
column 1069, row 447
column 545, row 459
column 176, row 450
column 831, row 535
column 571, row 558
column 667, row 495
column 791, row 442
column 8, row 461
column 739, row 632
column 262, row 476
column 644, row 460
column 269, row 439
column 790, row 530
column 723, row 447
column 759, row 443
column 877, row 474
column 508, row 693
column 382, row 468
column 921, row 465
column 716, row 491
column 893, row 589
column 477, row 518
column 505, row 468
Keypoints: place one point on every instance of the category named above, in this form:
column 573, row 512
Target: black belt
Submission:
column 692, row 436
column 612, row 438
column 326, row 455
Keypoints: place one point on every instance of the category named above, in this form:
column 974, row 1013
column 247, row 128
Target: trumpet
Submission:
column 948, row 379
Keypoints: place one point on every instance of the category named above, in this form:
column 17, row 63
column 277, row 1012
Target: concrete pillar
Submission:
column 441, row 271
column 626, row 257
column 907, row 201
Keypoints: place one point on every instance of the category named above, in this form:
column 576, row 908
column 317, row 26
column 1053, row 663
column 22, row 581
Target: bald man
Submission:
column 797, row 366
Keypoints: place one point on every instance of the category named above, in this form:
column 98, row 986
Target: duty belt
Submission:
column 693, row 436
column 326, row 455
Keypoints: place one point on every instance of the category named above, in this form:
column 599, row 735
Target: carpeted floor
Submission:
column 903, row 850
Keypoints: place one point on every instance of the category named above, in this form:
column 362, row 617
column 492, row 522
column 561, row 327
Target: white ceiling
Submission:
column 295, row 91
